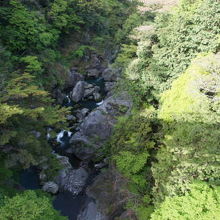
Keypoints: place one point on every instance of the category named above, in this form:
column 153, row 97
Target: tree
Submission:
column 190, row 116
column 29, row 206
column 201, row 202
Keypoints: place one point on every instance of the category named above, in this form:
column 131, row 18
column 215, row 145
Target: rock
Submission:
column 73, row 181
column 73, row 78
column 42, row 177
column 64, row 161
column 89, row 92
column 88, row 85
column 93, row 72
column 81, row 114
column 90, row 212
column 59, row 96
column 108, row 191
column 97, row 127
column 71, row 118
column 50, row 187
column 97, row 96
column 78, row 92
column 109, row 86
column 109, row 75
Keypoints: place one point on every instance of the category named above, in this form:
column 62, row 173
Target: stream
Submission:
column 64, row 201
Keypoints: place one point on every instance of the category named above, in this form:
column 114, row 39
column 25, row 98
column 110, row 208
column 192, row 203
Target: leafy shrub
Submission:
column 201, row 202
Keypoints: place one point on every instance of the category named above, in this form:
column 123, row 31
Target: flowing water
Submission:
column 65, row 202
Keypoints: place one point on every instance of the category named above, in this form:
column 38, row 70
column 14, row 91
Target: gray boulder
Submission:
column 109, row 86
column 97, row 127
column 81, row 114
column 73, row 78
column 73, row 181
column 109, row 75
column 50, row 187
column 94, row 72
column 78, row 92
column 97, row 96
column 90, row 212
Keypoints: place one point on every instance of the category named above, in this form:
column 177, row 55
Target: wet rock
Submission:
column 89, row 92
column 90, row 212
column 73, row 181
column 81, row 114
column 109, row 86
column 71, row 118
column 78, row 92
column 108, row 192
column 93, row 72
column 73, row 78
column 97, row 127
column 50, row 187
column 109, row 75
column 88, row 85
column 97, row 96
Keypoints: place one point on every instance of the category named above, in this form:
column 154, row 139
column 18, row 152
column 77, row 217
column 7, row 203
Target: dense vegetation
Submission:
column 167, row 150
column 34, row 62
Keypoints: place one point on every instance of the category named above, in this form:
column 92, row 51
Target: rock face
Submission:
column 90, row 212
column 97, row 127
column 109, row 75
column 109, row 194
column 73, row 180
column 73, row 78
column 50, row 187
column 78, row 92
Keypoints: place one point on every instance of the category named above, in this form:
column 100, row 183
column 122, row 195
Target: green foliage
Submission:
column 29, row 206
column 167, row 48
column 32, row 64
column 201, row 202
column 190, row 116
column 26, row 108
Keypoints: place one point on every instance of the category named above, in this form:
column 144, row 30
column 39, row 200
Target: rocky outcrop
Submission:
column 78, row 92
column 97, row 127
column 90, row 212
column 109, row 75
column 108, row 192
column 73, row 180
column 73, row 78
column 50, row 187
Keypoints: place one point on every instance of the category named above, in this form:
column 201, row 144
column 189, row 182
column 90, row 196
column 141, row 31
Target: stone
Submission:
column 50, row 187
column 72, row 78
column 71, row 118
column 109, row 86
column 73, row 181
column 109, row 75
column 81, row 114
column 93, row 72
column 89, row 92
column 90, row 212
column 97, row 96
column 97, row 127
column 78, row 92
column 108, row 192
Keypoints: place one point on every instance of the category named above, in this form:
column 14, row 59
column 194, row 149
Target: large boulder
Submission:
column 72, row 79
column 50, row 187
column 90, row 212
column 109, row 194
column 94, row 72
column 73, row 181
column 78, row 92
column 97, row 127
column 109, row 75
